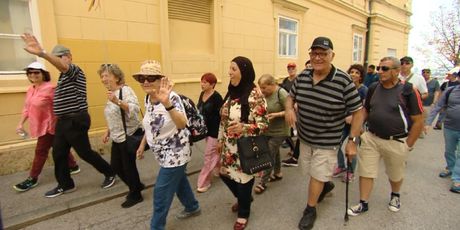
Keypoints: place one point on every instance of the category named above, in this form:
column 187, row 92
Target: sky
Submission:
column 420, row 22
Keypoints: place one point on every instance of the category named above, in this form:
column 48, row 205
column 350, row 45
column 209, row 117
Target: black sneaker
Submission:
column 328, row 186
column 184, row 214
column 74, row 170
column 357, row 209
column 395, row 204
column 108, row 182
column 26, row 184
column 131, row 202
column 58, row 191
column 308, row 218
column 290, row 162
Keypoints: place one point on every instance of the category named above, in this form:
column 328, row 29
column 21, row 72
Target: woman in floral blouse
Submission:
column 243, row 114
column 122, row 159
column 165, row 132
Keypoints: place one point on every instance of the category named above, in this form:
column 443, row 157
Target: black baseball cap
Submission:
column 323, row 43
column 406, row 59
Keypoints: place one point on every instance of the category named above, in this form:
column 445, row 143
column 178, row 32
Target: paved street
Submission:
column 426, row 202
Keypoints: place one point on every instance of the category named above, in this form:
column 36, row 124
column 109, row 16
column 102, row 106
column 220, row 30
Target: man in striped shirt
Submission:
column 71, row 109
column 323, row 96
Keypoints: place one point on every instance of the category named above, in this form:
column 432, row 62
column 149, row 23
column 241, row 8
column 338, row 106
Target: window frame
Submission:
column 35, row 24
column 357, row 50
column 289, row 33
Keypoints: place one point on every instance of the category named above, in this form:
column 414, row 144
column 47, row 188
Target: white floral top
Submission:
column 257, row 124
column 170, row 145
column 113, row 115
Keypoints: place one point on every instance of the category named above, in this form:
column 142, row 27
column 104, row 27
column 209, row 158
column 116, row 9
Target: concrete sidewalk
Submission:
column 20, row 209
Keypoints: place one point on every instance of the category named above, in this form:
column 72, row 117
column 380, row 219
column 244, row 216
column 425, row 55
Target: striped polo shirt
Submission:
column 322, row 108
column 70, row 94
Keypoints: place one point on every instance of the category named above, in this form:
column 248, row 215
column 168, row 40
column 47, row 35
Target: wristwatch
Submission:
column 355, row 140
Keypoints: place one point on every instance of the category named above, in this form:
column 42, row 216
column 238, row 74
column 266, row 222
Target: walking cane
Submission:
column 346, row 189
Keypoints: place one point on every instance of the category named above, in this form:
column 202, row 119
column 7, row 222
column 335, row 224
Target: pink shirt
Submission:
column 38, row 109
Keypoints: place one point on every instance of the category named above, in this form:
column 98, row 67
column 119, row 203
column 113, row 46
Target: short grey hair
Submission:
column 396, row 62
column 267, row 79
column 113, row 69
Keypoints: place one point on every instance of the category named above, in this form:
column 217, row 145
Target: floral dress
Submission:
column 257, row 124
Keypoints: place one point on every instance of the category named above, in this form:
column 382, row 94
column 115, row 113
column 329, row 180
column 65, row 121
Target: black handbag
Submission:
column 254, row 154
column 133, row 141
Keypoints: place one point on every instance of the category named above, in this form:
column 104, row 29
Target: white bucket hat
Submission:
column 36, row 65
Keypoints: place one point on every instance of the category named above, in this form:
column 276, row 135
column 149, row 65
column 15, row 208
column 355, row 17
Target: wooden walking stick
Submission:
column 346, row 189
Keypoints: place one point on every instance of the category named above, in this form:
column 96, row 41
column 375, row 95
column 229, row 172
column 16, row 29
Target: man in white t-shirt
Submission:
column 417, row 80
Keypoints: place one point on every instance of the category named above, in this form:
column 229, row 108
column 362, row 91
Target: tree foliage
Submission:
column 445, row 38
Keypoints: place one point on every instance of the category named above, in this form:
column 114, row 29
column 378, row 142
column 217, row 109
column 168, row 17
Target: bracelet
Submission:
column 170, row 108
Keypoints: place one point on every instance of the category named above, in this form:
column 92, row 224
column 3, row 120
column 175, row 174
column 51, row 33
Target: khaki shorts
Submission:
column 318, row 163
column 393, row 152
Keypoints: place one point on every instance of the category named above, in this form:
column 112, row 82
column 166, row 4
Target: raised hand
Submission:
column 32, row 44
column 164, row 91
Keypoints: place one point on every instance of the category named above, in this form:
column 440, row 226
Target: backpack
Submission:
column 195, row 121
column 195, row 124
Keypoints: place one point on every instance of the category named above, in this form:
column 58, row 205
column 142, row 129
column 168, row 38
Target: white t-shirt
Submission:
column 170, row 145
column 417, row 81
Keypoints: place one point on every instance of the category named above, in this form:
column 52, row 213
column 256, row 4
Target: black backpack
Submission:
column 195, row 121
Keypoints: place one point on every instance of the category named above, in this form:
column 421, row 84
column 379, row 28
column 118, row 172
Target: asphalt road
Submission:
column 426, row 203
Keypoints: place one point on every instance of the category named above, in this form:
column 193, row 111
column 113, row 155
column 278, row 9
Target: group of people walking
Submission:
column 324, row 105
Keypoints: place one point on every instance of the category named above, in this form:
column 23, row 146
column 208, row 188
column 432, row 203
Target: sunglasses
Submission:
column 149, row 78
column 384, row 68
column 33, row 72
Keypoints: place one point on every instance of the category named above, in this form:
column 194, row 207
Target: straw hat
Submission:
column 150, row 67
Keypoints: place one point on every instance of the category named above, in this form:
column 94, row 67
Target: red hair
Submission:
column 209, row 77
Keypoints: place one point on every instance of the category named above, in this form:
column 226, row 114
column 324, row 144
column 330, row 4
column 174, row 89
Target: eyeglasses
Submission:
column 321, row 55
column 149, row 78
column 405, row 63
column 384, row 68
column 33, row 72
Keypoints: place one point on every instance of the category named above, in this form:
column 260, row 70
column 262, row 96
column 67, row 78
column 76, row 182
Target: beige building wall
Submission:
column 128, row 32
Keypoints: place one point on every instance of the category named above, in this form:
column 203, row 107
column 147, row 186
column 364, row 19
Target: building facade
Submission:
column 189, row 38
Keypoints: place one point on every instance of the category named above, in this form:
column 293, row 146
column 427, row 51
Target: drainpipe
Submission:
column 367, row 44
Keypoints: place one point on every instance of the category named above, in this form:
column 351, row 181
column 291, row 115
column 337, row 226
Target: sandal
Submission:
column 260, row 188
column 274, row 178
column 240, row 226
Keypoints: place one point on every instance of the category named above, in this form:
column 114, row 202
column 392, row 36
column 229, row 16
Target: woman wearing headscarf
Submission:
column 38, row 109
column 122, row 158
column 209, row 104
column 243, row 114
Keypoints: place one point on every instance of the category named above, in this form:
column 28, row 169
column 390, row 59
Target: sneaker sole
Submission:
column 58, row 194
column 351, row 213
column 196, row 213
column 393, row 209
column 109, row 185
column 23, row 190
column 75, row 172
column 290, row 165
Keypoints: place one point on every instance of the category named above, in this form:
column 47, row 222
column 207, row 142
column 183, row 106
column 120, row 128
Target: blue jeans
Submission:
column 171, row 181
column 452, row 152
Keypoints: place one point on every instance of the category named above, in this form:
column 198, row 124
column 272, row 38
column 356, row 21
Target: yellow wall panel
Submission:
column 143, row 32
column 68, row 27
column 135, row 12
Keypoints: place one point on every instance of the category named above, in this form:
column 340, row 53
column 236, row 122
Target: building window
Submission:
column 391, row 52
column 357, row 48
column 15, row 18
column 288, row 33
